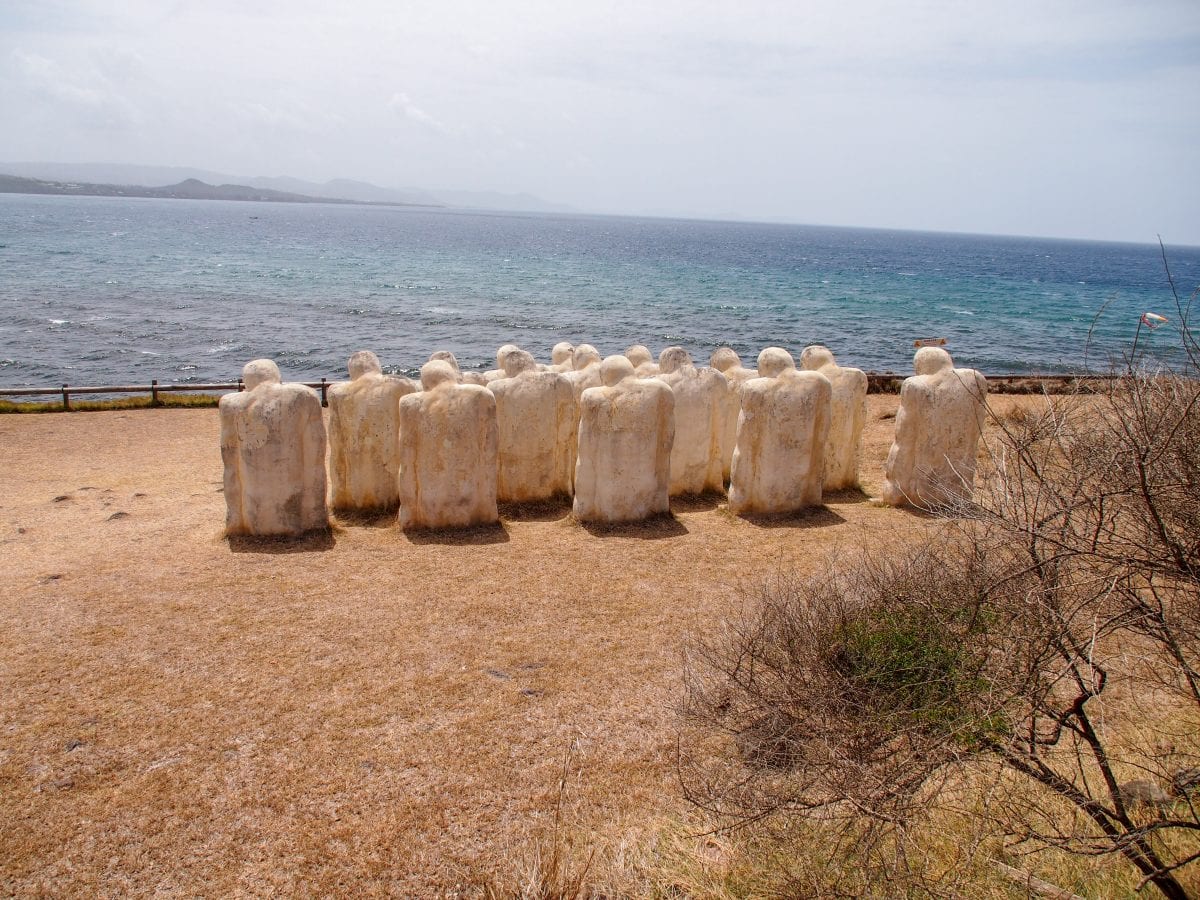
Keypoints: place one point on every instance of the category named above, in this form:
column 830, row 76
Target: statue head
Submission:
column 436, row 372
column 723, row 359
column 672, row 359
column 639, row 355
column 364, row 362
column 562, row 353
column 586, row 355
column 614, row 370
column 502, row 354
column 931, row 360
column 518, row 361
column 260, row 371
column 814, row 356
column 774, row 360
column 445, row 356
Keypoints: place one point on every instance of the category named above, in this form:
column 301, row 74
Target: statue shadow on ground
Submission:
column 689, row 503
column 845, row 496
column 317, row 541
column 552, row 510
column 655, row 529
column 811, row 517
column 384, row 517
column 459, row 537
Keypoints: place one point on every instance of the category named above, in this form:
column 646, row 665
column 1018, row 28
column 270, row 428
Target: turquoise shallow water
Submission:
column 103, row 290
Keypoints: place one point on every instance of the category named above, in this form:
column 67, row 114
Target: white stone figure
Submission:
column 273, row 447
column 492, row 374
column 848, row 413
column 535, row 416
column 774, row 360
column 459, row 374
column 626, row 430
column 700, row 396
column 364, row 443
column 729, row 364
column 643, row 362
column 933, row 456
column 586, row 371
column 778, row 461
column 562, row 357
column 448, row 441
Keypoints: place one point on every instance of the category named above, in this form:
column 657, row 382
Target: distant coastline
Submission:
column 188, row 189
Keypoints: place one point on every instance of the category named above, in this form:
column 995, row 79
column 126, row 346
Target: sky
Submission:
column 1051, row 117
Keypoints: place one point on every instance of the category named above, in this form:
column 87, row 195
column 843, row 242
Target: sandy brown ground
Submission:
column 383, row 714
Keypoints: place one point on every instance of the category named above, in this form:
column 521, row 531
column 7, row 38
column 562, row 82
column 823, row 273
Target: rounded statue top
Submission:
column 814, row 356
column 773, row 361
column 931, row 360
column 639, row 354
column 444, row 356
column 364, row 362
column 435, row 372
column 672, row 359
column 562, row 353
column 518, row 361
column 724, row 358
column 502, row 354
column 586, row 355
column 614, row 370
column 260, row 371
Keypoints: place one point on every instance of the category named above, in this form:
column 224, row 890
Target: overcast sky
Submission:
column 1052, row 118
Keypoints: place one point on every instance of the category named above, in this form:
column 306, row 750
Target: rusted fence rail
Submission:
column 877, row 383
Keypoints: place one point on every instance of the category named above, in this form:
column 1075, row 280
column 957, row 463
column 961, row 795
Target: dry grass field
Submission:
column 376, row 714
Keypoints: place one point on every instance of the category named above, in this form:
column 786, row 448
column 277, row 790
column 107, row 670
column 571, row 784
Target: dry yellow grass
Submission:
column 377, row 714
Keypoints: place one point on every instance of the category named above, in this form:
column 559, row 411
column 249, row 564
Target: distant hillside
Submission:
column 188, row 189
column 337, row 189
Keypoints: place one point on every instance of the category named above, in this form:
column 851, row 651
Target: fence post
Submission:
column 324, row 394
column 241, row 386
column 154, row 392
column 66, row 398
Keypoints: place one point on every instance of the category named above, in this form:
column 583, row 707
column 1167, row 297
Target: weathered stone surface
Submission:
column 501, row 355
column 448, row 452
column 273, row 447
column 700, row 396
column 364, row 436
column 778, row 462
column 848, row 413
column 729, row 364
column 643, row 361
column 586, row 369
column 932, row 459
column 562, row 357
column 773, row 361
column 468, row 377
column 536, row 415
column 626, row 431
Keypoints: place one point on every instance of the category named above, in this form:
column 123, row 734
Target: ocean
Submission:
column 111, row 290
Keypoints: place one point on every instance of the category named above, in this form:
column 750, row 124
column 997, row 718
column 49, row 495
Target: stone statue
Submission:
column 492, row 374
column 586, row 369
column 933, row 456
column 643, row 362
column 774, row 360
column 729, row 364
column 562, row 357
column 459, row 374
column 535, row 415
column 848, row 413
column 448, row 441
column 364, row 443
column 626, row 430
column 778, row 463
column 700, row 395
column 273, row 447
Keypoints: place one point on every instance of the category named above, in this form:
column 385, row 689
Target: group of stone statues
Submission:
column 619, row 435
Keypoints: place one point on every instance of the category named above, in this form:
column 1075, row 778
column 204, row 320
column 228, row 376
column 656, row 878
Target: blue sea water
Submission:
column 109, row 290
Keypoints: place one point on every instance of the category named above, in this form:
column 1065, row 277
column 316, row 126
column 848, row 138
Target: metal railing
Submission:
column 153, row 389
